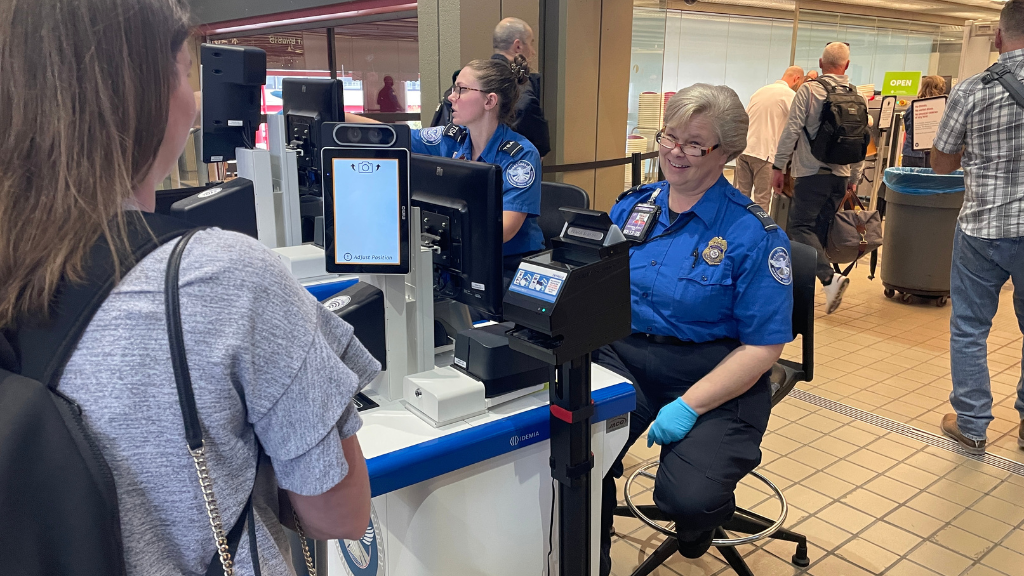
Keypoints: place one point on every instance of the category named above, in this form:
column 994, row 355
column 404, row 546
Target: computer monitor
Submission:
column 366, row 210
column 461, row 213
column 232, row 87
column 307, row 104
column 228, row 205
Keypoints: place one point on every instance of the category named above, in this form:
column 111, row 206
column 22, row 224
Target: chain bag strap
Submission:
column 227, row 543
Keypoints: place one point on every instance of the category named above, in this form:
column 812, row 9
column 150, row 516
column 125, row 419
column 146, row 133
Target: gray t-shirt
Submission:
column 266, row 359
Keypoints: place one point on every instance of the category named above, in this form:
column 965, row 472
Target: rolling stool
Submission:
column 784, row 376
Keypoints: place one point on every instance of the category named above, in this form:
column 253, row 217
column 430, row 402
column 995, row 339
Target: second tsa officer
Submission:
column 710, row 283
column 483, row 103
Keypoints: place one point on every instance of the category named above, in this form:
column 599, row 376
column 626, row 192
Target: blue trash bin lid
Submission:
column 923, row 181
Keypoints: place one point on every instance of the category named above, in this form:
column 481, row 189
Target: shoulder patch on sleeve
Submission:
column 763, row 216
column 456, row 132
column 512, row 148
column 780, row 266
column 432, row 136
column 520, row 174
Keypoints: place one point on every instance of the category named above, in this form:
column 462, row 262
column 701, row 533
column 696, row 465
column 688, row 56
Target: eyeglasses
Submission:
column 667, row 142
column 458, row 90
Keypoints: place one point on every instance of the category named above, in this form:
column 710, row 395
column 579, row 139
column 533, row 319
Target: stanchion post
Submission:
column 638, row 169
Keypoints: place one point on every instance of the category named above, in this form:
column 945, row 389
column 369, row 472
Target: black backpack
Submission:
column 57, row 494
column 843, row 135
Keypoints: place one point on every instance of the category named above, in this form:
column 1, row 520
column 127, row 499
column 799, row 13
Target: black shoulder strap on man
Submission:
column 56, row 490
column 1001, row 73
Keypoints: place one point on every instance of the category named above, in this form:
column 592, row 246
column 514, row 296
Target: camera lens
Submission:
column 375, row 135
column 355, row 134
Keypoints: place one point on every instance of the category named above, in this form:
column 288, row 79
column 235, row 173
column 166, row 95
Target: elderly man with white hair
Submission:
column 768, row 110
column 819, row 186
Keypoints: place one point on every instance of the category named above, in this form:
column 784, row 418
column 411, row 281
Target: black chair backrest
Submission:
column 552, row 197
column 804, row 261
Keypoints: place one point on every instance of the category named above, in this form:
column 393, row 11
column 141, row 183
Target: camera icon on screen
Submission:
column 364, row 168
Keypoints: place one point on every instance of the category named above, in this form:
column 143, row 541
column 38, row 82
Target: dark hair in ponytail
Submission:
column 505, row 79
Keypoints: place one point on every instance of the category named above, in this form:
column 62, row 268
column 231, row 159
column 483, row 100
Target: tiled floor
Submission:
column 872, row 501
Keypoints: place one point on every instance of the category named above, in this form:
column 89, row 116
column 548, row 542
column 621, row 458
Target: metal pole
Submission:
column 571, row 462
column 637, row 169
column 331, row 58
column 796, row 24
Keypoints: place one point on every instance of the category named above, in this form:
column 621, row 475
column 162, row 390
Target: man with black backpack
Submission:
column 826, row 138
column 981, row 130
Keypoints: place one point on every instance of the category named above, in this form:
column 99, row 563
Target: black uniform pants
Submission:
column 697, row 475
column 815, row 202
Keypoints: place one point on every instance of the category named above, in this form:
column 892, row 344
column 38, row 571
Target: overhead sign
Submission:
column 927, row 114
column 901, row 83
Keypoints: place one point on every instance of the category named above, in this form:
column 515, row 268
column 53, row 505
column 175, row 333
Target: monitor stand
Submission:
column 454, row 317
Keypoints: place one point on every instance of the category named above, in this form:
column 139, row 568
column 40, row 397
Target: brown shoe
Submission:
column 949, row 428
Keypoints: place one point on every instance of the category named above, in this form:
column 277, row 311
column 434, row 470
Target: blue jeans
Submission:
column 980, row 268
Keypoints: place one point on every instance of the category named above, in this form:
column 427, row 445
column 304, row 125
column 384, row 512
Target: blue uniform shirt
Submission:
column 521, row 180
column 713, row 273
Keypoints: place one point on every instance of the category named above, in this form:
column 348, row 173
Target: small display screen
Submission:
column 367, row 211
column 639, row 219
column 538, row 282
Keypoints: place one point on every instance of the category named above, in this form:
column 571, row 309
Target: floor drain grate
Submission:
column 906, row 430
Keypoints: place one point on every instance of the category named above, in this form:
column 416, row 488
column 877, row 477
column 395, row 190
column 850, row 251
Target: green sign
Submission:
column 901, row 83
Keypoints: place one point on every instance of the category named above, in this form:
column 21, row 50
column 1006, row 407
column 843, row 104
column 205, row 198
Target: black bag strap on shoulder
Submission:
column 1001, row 73
column 53, row 477
column 193, row 429
column 46, row 348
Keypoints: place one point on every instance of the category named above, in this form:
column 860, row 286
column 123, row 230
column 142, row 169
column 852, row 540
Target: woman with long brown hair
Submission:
column 931, row 86
column 96, row 107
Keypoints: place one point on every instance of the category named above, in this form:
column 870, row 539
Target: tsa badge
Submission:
column 715, row 252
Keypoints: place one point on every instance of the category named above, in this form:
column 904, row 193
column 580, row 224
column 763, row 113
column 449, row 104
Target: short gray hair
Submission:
column 720, row 105
column 836, row 55
column 508, row 31
column 1011, row 19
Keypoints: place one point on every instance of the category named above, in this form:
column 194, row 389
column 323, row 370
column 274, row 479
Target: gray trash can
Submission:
column 920, row 220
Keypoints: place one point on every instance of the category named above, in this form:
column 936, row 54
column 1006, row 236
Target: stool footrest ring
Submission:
column 669, row 530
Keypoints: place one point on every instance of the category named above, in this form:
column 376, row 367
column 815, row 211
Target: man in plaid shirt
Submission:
column 983, row 131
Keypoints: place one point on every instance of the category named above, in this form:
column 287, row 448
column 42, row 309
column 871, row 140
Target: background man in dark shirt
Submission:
column 513, row 36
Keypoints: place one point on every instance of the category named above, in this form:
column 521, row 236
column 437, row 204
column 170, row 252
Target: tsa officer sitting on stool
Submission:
column 710, row 283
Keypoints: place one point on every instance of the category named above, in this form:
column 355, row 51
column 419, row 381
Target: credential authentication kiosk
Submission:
column 463, row 484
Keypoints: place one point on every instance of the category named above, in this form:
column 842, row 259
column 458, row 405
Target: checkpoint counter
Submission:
column 462, row 468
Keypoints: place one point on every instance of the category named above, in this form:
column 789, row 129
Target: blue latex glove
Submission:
column 673, row 423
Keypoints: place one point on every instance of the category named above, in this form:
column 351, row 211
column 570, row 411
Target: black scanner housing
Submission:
column 593, row 305
column 484, row 354
column 365, row 312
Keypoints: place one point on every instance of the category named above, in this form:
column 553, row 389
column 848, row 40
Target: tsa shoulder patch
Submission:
column 520, row 174
column 432, row 136
column 780, row 266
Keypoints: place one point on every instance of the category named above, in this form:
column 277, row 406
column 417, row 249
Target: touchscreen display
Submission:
column 538, row 282
column 367, row 211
